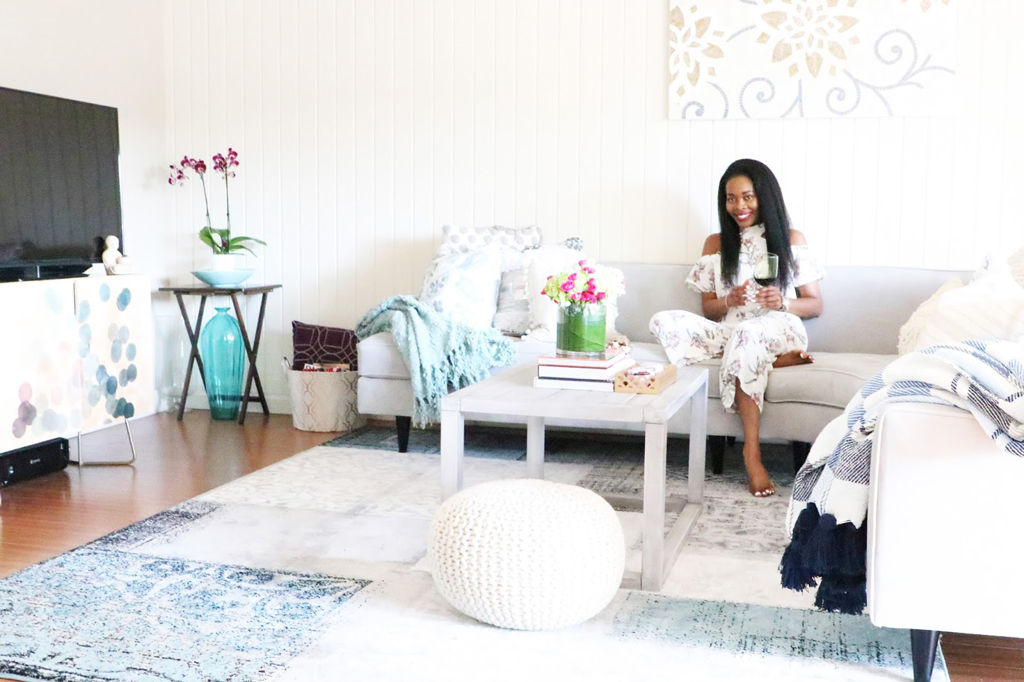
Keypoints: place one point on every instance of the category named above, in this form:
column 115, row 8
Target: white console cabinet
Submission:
column 77, row 356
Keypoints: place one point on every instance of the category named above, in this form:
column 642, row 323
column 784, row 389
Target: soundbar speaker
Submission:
column 33, row 460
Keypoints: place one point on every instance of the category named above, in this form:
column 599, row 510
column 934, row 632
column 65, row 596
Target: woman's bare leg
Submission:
column 760, row 482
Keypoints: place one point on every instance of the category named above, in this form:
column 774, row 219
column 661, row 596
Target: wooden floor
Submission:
column 43, row 517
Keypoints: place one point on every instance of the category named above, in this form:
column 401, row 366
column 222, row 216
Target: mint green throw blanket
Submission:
column 442, row 355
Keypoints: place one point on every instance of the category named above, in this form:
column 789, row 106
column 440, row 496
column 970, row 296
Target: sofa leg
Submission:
column 923, row 644
column 716, row 453
column 800, row 452
column 403, row 424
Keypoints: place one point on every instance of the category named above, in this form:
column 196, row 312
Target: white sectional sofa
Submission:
column 854, row 338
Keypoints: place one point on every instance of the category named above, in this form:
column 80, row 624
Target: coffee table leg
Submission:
column 535, row 447
column 698, row 440
column 653, row 564
column 453, row 426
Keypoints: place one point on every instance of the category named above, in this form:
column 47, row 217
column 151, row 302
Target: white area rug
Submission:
column 313, row 569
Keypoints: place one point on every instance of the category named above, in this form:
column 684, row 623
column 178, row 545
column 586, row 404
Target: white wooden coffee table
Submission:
column 512, row 393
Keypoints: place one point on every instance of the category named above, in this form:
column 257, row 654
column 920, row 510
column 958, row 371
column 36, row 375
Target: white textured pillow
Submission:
column 1016, row 263
column 993, row 308
column 464, row 286
column 458, row 239
column 910, row 332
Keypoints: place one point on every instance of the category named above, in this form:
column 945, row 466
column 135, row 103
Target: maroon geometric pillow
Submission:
column 316, row 343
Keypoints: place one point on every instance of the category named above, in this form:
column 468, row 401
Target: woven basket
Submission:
column 323, row 401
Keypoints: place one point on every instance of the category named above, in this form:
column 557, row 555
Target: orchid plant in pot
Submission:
column 224, row 246
column 582, row 294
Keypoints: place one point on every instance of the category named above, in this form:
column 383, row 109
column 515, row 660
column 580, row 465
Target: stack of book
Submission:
column 587, row 375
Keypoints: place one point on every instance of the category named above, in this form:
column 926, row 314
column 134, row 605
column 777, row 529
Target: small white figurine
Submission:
column 111, row 254
column 124, row 266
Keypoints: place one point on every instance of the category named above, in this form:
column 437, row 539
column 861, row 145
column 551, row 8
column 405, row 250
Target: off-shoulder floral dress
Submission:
column 749, row 338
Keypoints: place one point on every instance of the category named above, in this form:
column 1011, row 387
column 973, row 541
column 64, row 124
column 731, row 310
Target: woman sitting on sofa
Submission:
column 752, row 327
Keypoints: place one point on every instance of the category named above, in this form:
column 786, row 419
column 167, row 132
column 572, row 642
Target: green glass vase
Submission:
column 581, row 331
column 223, row 353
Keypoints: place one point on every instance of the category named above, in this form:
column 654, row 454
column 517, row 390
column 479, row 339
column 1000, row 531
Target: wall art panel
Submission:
column 810, row 58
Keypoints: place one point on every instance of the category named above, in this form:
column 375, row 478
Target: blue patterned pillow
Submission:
column 464, row 286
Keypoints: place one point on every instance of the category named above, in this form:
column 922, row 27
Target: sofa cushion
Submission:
column 832, row 379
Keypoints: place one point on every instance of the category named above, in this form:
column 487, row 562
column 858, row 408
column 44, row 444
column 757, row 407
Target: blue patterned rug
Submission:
column 313, row 569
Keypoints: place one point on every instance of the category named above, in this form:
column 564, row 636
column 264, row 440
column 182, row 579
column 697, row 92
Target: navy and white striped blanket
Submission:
column 830, row 494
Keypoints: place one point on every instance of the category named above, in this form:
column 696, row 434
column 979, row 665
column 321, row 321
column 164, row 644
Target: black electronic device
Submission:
column 33, row 460
column 60, row 192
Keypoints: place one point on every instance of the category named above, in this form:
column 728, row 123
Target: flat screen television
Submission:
column 60, row 193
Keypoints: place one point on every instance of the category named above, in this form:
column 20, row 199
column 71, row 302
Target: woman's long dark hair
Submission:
column 771, row 210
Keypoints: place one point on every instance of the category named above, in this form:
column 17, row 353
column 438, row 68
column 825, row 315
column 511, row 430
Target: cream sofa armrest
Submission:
column 944, row 515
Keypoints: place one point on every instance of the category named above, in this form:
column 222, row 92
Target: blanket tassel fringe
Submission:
column 835, row 554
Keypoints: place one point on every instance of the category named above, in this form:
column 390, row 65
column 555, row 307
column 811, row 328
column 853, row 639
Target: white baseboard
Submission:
column 278, row 403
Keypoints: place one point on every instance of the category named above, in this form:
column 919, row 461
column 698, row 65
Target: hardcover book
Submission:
column 574, row 384
column 591, row 373
column 601, row 363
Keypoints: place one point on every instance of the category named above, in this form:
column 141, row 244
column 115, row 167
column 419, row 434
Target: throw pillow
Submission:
column 457, row 239
column 316, row 343
column 574, row 243
column 464, row 286
column 992, row 308
column 910, row 332
column 1016, row 263
column 513, row 314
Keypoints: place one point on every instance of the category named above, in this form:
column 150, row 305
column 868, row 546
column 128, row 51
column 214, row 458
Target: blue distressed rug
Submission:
column 313, row 569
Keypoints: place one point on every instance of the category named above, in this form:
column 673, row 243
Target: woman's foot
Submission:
column 761, row 484
column 793, row 357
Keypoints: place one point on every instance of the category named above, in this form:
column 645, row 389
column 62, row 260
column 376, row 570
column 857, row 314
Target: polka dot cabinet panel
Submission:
column 77, row 356
column 115, row 346
column 40, row 387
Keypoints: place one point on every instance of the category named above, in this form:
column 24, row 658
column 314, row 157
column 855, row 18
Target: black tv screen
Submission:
column 60, row 193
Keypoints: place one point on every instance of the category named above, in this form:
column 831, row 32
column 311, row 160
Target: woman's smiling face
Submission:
column 741, row 201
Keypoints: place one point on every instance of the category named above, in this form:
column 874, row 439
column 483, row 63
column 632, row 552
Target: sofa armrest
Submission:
column 946, row 504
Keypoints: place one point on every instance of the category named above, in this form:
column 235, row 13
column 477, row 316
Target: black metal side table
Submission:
column 252, row 375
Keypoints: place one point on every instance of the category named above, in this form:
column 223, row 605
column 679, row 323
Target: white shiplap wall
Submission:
column 365, row 125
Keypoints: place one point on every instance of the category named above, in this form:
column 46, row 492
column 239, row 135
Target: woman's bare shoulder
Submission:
column 797, row 238
column 712, row 245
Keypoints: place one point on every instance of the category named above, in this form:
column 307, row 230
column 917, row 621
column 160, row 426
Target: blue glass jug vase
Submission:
column 223, row 353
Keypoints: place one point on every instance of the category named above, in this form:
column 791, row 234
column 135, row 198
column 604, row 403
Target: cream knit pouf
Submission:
column 527, row 554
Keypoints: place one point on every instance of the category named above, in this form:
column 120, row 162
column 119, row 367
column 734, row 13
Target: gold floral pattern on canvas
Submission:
column 695, row 46
column 810, row 58
column 927, row 4
column 808, row 36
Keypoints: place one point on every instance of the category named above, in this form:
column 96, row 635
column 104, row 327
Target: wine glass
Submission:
column 766, row 270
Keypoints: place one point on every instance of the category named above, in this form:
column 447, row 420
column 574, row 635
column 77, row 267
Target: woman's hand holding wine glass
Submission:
column 769, row 297
column 766, row 271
